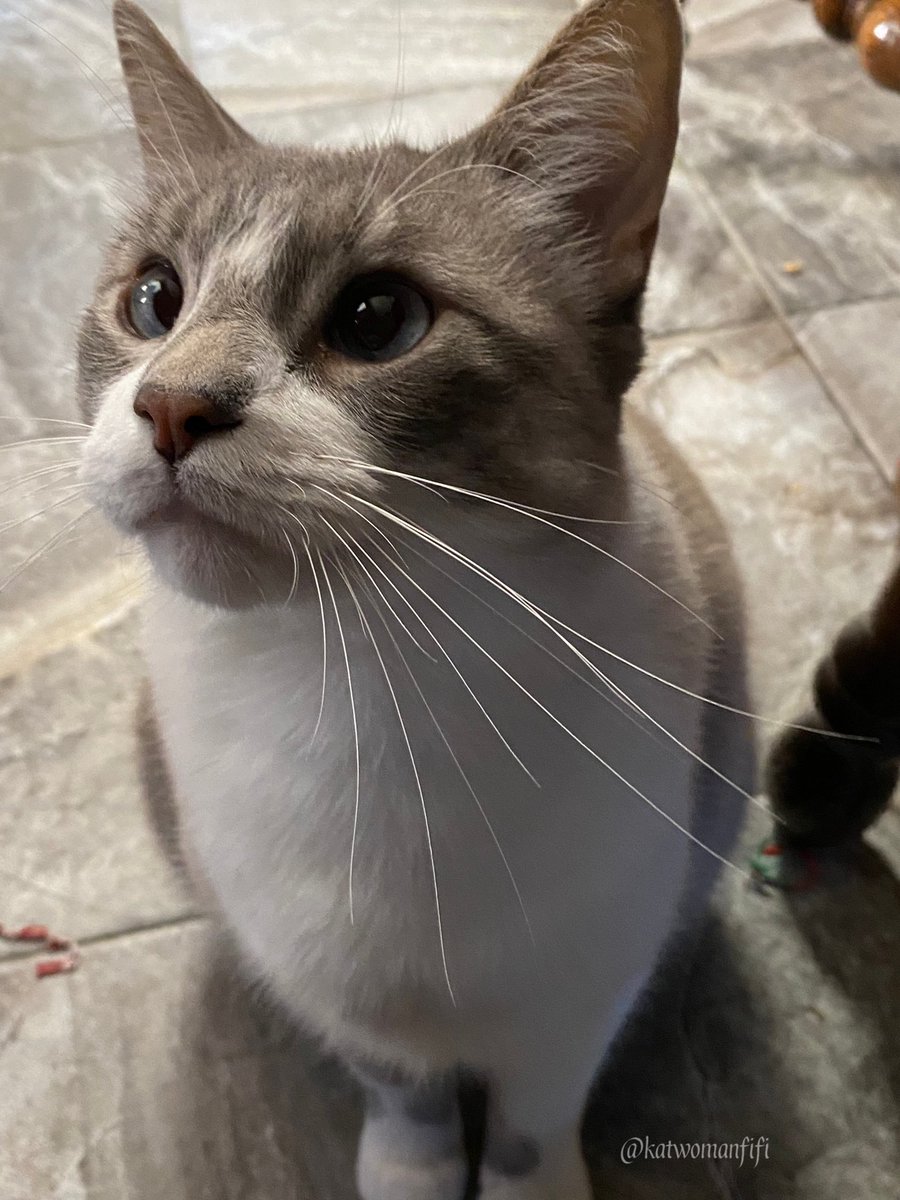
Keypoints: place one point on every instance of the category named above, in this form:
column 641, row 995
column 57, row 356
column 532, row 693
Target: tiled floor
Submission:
column 149, row 1075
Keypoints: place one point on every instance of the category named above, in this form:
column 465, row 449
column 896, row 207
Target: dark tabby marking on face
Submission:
column 524, row 244
column 529, row 239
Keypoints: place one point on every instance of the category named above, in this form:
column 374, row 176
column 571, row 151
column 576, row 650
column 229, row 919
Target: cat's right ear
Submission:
column 177, row 119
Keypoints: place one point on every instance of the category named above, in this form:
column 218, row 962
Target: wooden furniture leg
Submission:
column 874, row 25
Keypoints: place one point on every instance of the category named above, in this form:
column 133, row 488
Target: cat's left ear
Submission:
column 594, row 124
column 177, row 119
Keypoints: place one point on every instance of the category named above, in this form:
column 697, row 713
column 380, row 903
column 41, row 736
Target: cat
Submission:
column 430, row 660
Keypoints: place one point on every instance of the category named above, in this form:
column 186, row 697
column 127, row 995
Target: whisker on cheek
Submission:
column 466, row 781
column 535, row 611
column 42, row 550
column 71, row 493
column 57, row 468
column 43, row 441
column 418, row 780
column 27, row 418
column 450, row 661
column 343, row 640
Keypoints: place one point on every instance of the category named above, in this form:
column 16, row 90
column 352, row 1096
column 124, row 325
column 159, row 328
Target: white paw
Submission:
column 391, row 1170
column 412, row 1181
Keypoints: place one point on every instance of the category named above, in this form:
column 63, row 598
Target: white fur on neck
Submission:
column 268, row 809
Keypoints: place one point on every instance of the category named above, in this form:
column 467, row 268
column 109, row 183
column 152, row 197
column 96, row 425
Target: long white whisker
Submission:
column 315, row 577
column 377, row 169
column 437, row 642
column 68, row 465
column 43, row 441
column 26, row 418
column 524, row 632
column 635, row 482
column 92, row 76
column 41, row 550
column 609, row 683
column 456, row 170
column 401, row 623
column 148, row 75
column 415, row 770
column 106, row 95
column 435, row 154
column 296, row 579
column 431, row 486
column 45, row 487
column 605, row 679
column 593, row 753
column 544, row 616
column 337, row 617
column 48, row 508
column 452, row 753
column 534, row 516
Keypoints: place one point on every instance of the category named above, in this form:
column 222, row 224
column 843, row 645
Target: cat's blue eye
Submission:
column 154, row 301
column 378, row 318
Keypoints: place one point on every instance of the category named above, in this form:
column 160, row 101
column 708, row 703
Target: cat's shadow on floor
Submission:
column 703, row 1061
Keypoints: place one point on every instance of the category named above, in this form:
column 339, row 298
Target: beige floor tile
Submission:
column 337, row 50
column 55, row 213
column 855, row 348
column 698, row 280
column 421, row 119
column 77, row 851
column 720, row 26
column 59, row 76
column 813, row 523
column 801, row 152
column 192, row 1090
column 40, row 1089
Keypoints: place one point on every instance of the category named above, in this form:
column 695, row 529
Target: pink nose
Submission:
column 180, row 419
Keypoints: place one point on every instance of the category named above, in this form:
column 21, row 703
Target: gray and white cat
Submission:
column 429, row 661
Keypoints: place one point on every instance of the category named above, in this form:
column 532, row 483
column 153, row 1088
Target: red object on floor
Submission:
column 56, row 966
column 28, row 933
column 62, row 965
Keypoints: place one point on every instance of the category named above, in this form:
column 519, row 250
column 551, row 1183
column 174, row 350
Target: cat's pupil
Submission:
column 166, row 300
column 379, row 317
column 155, row 301
column 378, row 320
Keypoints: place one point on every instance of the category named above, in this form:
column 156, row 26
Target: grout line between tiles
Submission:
column 87, row 612
column 781, row 313
column 15, row 957
column 303, row 102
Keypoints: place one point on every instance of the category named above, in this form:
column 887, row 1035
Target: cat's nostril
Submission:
column 197, row 426
column 181, row 419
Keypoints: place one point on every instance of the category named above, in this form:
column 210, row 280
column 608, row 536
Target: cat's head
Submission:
column 274, row 330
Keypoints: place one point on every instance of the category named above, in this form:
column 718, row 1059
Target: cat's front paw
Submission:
column 391, row 1165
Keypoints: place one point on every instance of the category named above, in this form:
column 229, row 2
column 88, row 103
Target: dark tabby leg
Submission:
column 411, row 1146
column 826, row 791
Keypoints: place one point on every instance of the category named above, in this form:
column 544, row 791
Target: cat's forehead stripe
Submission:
column 248, row 253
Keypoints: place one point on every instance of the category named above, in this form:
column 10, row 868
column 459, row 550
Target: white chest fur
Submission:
column 472, row 882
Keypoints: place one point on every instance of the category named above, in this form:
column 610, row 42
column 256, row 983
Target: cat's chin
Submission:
column 216, row 565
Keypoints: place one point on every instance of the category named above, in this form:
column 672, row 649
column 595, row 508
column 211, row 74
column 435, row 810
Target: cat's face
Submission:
column 276, row 329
